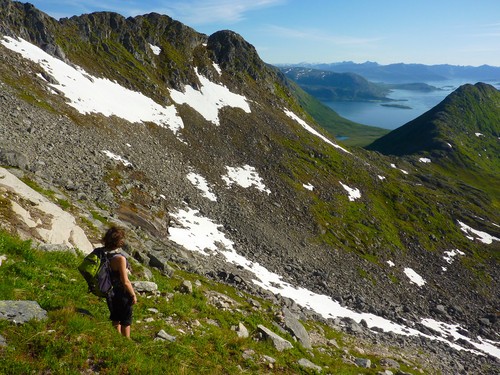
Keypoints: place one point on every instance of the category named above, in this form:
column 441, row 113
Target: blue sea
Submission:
column 374, row 114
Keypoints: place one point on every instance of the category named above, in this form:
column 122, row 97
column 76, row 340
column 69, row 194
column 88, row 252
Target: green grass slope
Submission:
column 77, row 338
column 460, row 134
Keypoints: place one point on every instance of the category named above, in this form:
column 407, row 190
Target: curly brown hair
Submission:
column 114, row 238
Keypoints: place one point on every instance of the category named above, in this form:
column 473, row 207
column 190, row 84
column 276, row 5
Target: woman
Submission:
column 122, row 297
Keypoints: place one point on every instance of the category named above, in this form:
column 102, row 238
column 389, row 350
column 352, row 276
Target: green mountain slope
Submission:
column 461, row 134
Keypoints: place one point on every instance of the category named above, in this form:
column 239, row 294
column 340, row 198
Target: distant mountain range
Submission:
column 329, row 86
column 405, row 73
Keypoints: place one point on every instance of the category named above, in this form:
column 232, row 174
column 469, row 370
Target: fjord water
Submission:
column 375, row 114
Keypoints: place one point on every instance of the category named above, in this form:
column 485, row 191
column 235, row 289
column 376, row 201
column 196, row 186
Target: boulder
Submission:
column 293, row 325
column 303, row 362
column 159, row 261
column 21, row 311
column 186, row 287
column 164, row 336
column 242, row 331
column 144, row 286
column 279, row 342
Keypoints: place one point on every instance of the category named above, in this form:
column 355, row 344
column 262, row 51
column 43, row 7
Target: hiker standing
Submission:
column 122, row 297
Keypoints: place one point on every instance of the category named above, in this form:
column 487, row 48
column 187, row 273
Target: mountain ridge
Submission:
column 408, row 73
column 333, row 216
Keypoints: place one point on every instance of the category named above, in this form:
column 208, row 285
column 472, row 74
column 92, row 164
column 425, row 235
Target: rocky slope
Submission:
column 329, row 219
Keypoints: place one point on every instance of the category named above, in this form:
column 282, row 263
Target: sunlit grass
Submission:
column 77, row 337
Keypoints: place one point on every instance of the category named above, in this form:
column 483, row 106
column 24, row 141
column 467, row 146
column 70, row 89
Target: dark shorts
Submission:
column 120, row 307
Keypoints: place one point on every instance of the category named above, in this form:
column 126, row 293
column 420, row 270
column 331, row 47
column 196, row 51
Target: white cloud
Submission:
column 202, row 12
column 321, row 36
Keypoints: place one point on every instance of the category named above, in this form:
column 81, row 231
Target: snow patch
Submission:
column 390, row 263
column 449, row 255
column 119, row 158
column 308, row 187
column 246, row 177
column 209, row 99
column 156, row 50
column 353, row 192
column 202, row 235
column 424, row 160
column 402, row 170
column 381, row 178
column 476, row 234
column 414, row 277
column 217, row 68
column 311, row 130
column 89, row 94
column 200, row 183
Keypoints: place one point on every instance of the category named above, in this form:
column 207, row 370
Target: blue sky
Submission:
column 458, row 32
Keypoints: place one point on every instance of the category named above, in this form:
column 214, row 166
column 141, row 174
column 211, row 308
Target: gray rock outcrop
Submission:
column 279, row 342
column 20, row 312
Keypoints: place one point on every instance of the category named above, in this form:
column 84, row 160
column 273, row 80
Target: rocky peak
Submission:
column 27, row 22
column 232, row 52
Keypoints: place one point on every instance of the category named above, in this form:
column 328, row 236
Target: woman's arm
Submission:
column 119, row 263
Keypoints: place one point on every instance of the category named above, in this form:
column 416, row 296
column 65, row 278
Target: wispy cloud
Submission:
column 319, row 35
column 199, row 12
column 195, row 12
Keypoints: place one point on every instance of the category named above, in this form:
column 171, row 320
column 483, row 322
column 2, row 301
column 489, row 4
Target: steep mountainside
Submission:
column 206, row 155
column 461, row 134
column 454, row 126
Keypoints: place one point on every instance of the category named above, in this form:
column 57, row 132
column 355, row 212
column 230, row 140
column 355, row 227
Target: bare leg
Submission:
column 117, row 326
column 125, row 331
